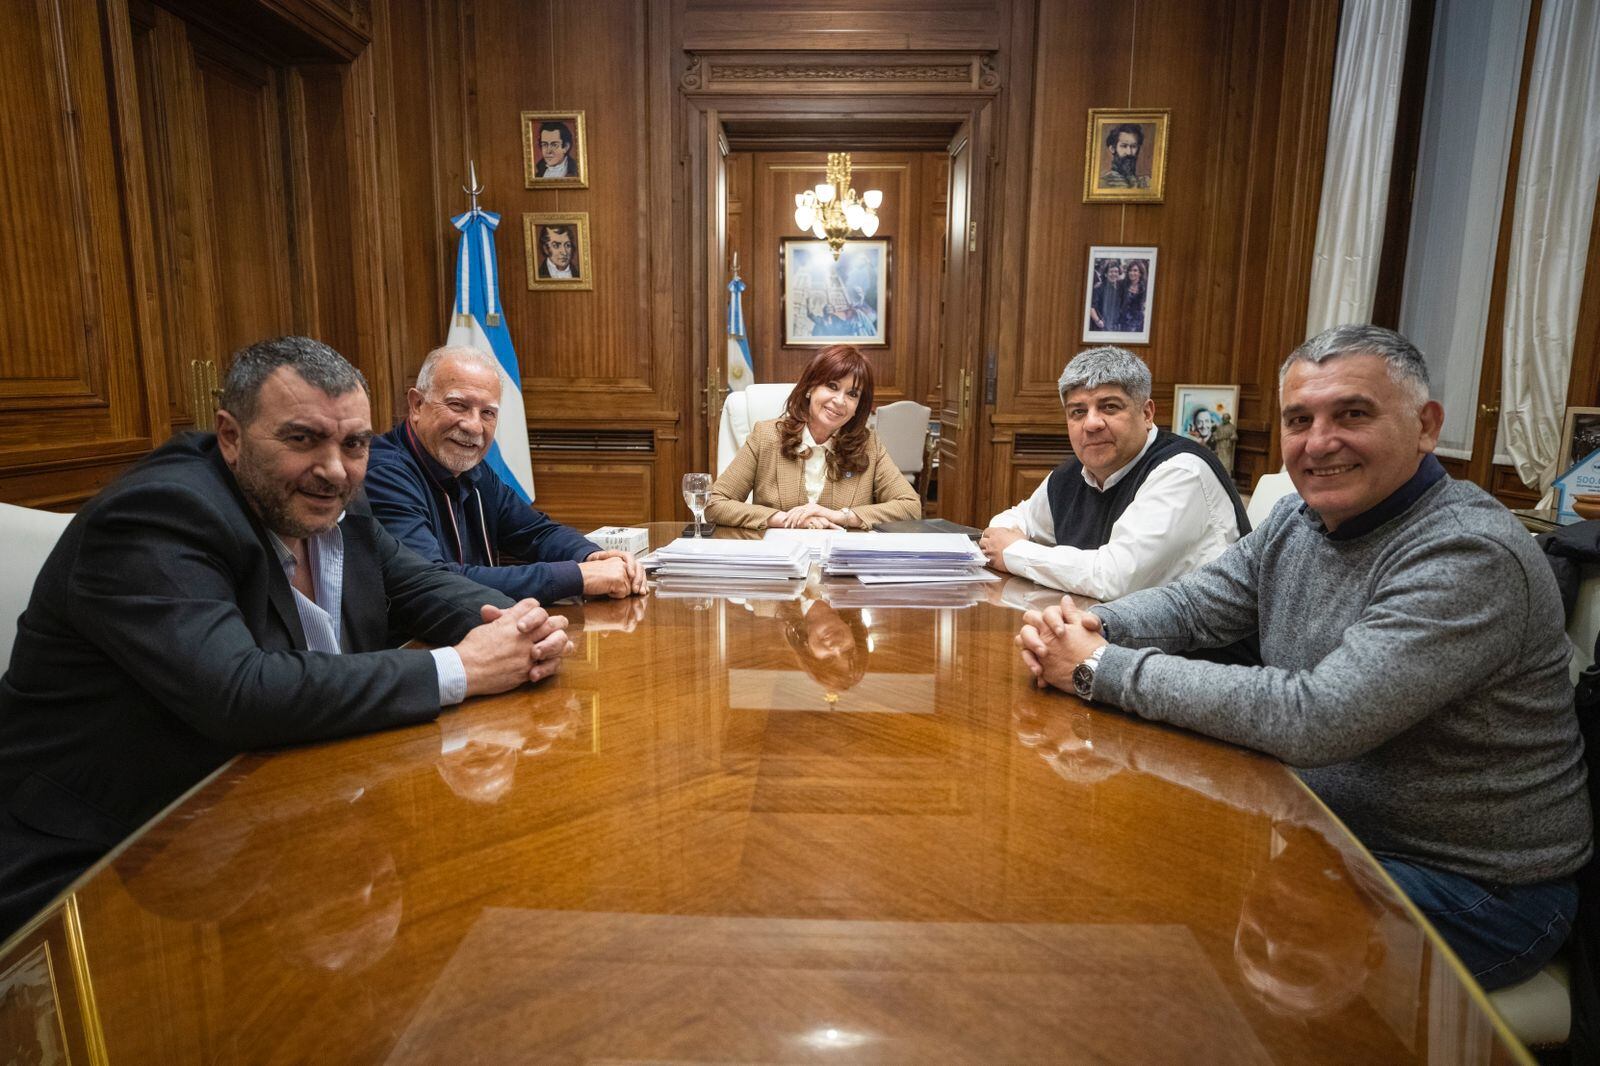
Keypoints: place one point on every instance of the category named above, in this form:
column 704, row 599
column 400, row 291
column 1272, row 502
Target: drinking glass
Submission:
column 697, row 493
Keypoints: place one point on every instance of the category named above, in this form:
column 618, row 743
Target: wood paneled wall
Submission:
column 1247, row 85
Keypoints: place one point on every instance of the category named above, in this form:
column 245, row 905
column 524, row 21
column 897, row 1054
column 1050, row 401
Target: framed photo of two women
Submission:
column 1119, row 295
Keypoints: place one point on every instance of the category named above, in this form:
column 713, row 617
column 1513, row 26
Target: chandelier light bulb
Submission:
column 869, row 225
column 803, row 217
column 825, row 193
column 817, row 229
column 853, row 214
column 874, row 198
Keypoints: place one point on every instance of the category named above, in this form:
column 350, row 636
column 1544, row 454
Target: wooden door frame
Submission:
column 705, row 115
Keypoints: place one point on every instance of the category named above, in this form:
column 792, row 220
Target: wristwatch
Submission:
column 849, row 516
column 1083, row 673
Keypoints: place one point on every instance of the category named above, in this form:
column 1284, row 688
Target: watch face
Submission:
column 1083, row 679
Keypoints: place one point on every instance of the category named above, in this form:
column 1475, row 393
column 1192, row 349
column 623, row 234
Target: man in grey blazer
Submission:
column 229, row 593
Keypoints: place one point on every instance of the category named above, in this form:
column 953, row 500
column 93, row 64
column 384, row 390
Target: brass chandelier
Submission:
column 832, row 212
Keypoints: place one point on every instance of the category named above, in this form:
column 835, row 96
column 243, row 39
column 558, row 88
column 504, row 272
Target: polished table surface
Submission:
column 837, row 828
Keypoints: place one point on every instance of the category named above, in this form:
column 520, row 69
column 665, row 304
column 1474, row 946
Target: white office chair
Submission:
column 1269, row 490
column 27, row 536
column 903, row 428
column 741, row 411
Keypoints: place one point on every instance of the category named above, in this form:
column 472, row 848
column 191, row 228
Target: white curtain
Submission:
column 1555, row 194
column 1355, row 178
column 1474, row 70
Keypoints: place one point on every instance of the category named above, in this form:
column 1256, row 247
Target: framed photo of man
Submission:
column 827, row 301
column 1580, row 436
column 554, row 150
column 1126, row 161
column 1209, row 415
column 557, row 246
column 1119, row 295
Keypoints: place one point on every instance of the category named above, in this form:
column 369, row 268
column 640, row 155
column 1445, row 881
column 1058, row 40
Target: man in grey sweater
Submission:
column 1415, row 662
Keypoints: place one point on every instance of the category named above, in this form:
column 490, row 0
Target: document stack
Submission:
column 715, row 565
column 906, row 558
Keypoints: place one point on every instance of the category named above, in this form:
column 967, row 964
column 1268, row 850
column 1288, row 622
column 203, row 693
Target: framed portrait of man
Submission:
column 1126, row 160
column 828, row 301
column 1119, row 296
column 557, row 245
column 1208, row 415
column 554, row 150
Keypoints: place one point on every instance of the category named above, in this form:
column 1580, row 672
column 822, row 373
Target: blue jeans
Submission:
column 1503, row 933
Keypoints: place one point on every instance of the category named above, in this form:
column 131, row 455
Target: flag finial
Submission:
column 472, row 189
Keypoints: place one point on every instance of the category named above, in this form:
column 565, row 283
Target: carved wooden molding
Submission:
column 841, row 72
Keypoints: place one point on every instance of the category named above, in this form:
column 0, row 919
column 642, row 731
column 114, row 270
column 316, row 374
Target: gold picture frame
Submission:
column 539, row 126
column 1112, row 133
column 567, row 233
column 46, row 993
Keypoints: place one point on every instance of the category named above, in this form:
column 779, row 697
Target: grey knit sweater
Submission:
column 1416, row 676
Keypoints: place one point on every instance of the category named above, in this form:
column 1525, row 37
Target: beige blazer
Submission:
column 880, row 493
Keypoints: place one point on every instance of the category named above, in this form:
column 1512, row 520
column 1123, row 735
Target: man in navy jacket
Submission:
column 429, row 487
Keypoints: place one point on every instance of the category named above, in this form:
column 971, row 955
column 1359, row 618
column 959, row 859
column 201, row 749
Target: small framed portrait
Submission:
column 554, row 150
column 1580, row 437
column 558, row 250
column 1209, row 415
column 1119, row 295
column 1126, row 158
column 828, row 301
column 47, row 1010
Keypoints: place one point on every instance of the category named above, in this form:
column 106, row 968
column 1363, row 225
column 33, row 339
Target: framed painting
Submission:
column 1126, row 159
column 555, row 150
column 828, row 301
column 1209, row 415
column 558, row 250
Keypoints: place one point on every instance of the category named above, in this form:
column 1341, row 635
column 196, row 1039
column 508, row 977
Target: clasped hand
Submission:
column 808, row 516
column 612, row 573
column 519, row 643
column 1054, row 641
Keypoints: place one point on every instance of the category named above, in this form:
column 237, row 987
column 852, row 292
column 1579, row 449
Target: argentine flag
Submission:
column 741, row 371
column 477, row 322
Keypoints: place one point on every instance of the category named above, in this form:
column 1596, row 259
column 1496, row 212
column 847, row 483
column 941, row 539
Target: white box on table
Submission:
column 622, row 538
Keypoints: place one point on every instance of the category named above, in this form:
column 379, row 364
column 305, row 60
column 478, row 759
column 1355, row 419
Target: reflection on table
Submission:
column 739, row 829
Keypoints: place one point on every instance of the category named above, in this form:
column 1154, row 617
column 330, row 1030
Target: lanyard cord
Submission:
column 449, row 508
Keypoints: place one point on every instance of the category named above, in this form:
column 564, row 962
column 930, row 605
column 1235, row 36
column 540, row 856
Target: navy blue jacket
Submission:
column 466, row 522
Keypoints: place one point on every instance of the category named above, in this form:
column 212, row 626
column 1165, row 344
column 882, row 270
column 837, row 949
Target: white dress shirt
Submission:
column 320, row 618
column 816, row 476
column 557, row 171
column 1181, row 519
column 553, row 271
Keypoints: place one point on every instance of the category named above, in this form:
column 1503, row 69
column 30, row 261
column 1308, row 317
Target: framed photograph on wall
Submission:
column 1126, row 160
column 832, row 302
column 1119, row 295
column 555, row 150
column 1580, row 437
column 557, row 246
column 1209, row 415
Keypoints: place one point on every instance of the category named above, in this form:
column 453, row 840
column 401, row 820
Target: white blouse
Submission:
column 816, row 463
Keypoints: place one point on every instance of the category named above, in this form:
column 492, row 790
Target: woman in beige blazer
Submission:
column 817, row 466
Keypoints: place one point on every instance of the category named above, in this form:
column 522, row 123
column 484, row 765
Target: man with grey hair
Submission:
column 431, row 489
column 1415, row 667
column 1134, row 507
column 229, row 594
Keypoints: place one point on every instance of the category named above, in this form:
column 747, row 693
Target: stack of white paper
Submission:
column 906, row 557
column 816, row 540
column 743, row 561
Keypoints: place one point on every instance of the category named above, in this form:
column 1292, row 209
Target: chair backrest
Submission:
column 903, row 428
column 28, row 537
column 1269, row 490
column 742, row 410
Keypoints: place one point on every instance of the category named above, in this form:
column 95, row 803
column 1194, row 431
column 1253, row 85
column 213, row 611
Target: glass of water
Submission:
column 697, row 493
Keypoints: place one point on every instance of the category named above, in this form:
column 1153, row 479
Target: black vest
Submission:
column 1084, row 516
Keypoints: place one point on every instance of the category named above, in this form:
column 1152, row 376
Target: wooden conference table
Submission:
column 842, row 828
